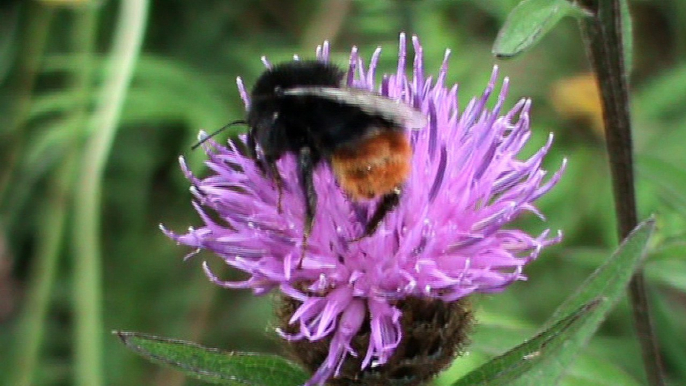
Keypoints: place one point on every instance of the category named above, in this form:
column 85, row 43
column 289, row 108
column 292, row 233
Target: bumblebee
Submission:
column 303, row 108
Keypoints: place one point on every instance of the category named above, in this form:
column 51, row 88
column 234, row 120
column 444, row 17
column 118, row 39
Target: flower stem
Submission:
column 604, row 43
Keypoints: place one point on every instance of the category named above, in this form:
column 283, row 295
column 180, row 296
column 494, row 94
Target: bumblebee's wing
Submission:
column 369, row 102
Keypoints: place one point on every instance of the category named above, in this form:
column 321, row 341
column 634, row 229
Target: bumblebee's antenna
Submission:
column 200, row 142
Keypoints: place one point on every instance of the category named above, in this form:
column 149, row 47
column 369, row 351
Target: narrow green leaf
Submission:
column 213, row 365
column 592, row 367
column 511, row 366
column 670, row 178
column 611, row 279
column 529, row 22
column 545, row 358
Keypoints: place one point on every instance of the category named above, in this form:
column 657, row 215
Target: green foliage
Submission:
column 215, row 366
column 529, row 22
column 524, row 364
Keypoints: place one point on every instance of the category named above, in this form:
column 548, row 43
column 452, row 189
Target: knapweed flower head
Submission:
column 448, row 237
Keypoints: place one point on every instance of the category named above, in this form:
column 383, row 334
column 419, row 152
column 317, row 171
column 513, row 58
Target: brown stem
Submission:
column 604, row 44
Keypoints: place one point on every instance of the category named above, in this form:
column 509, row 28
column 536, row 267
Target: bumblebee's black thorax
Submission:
column 287, row 124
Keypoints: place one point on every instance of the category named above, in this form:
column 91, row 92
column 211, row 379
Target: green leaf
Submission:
column 611, row 279
column 511, row 366
column 546, row 357
column 592, row 367
column 529, row 22
column 213, row 365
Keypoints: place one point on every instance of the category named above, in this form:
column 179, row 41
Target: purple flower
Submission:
column 444, row 241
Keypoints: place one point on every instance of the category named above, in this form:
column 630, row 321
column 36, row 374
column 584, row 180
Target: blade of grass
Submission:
column 31, row 326
column 34, row 38
column 30, row 336
column 127, row 41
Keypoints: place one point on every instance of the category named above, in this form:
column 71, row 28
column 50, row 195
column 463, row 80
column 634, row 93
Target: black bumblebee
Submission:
column 303, row 108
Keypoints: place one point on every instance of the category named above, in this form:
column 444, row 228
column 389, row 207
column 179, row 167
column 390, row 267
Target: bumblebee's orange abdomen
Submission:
column 375, row 166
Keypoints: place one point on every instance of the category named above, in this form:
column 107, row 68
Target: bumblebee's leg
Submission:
column 271, row 164
column 305, row 170
column 387, row 204
column 276, row 177
column 252, row 145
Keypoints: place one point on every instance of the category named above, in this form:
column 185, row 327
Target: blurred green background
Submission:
column 88, row 155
